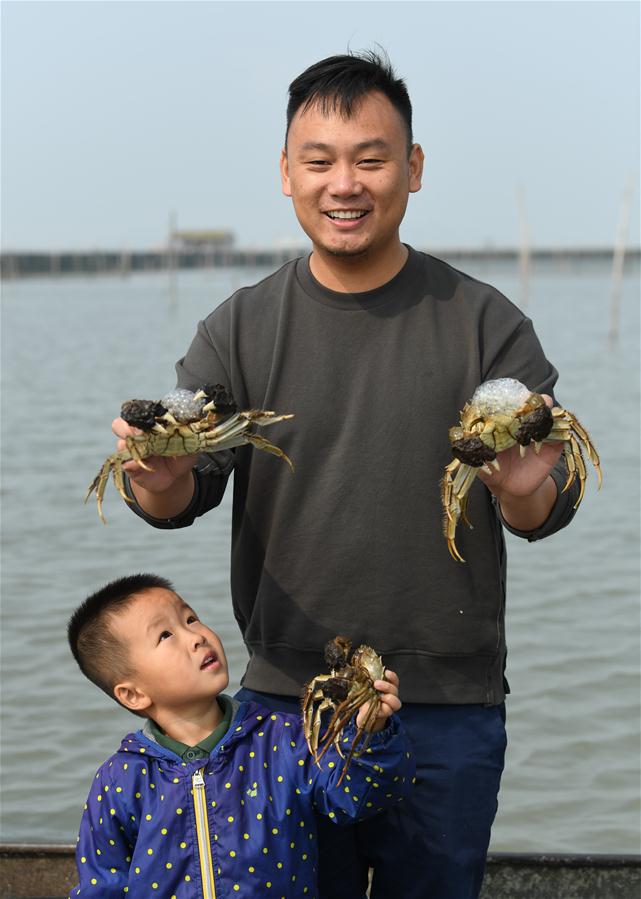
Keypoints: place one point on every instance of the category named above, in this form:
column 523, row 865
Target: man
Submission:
column 375, row 347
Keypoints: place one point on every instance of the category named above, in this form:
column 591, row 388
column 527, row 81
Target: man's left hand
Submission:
column 523, row 486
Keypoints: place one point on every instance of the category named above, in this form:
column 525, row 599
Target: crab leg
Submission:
column 463, row 506
column 446, row 488
column 565, row 423
column 312, row 719
column 228, row 429
column 341, row 716
column 119, row 480
column 454, row 492
column 464, row 480
column 455, row 489
column 261, row 443
column 225, row 437
column 316, row 726
column 570, row 464
column 449, row 519
column 98, row 484
column 451, row 545
column 363, row 731
column 237, row 425
column 580, row 465
column 574, row 457
column 593, row 456
column 136, row 455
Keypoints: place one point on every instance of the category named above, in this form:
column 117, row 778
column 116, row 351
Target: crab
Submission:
column 349, row 684
column 182, row 423
column 503, row 413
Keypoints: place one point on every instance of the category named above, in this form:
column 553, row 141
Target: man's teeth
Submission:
column 346, row 215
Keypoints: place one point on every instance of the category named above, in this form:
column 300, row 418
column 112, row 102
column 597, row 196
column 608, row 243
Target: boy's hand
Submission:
column 390, row 702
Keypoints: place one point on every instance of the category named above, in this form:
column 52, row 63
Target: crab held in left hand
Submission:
column 503, row 413
column 349, row 685
column 183, row 423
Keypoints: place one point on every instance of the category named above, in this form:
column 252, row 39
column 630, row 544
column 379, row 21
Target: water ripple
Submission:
column 571, row 782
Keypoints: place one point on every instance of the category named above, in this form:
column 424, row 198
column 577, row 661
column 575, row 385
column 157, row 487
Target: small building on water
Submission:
column 202, row 241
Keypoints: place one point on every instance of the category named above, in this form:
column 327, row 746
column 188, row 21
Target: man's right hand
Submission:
column 167, row 489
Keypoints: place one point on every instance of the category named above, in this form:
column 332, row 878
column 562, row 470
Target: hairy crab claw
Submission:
column 184, row 423
column 504, row 413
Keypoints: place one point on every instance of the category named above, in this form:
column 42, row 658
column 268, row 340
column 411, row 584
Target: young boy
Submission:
column 212, row 797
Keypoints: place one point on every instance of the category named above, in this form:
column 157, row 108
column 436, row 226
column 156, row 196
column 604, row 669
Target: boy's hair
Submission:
column 102, row 657
column 338, row 83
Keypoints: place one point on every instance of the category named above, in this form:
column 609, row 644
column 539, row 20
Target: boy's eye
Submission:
column 191, row 619
column 164, row 636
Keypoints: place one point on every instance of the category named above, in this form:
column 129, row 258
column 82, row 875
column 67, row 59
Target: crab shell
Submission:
column 368, row 660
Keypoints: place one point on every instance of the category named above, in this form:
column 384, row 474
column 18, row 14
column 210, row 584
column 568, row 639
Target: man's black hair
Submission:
column 101, row 656
column 339, row 83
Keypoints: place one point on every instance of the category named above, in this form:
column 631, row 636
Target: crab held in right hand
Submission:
column 183, row 423
column 503, row 413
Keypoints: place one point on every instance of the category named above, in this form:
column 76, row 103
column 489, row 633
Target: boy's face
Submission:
column 177, row 660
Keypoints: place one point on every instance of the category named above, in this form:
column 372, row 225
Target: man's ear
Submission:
column 129, row 695
column 416, row 163
column 284, row 174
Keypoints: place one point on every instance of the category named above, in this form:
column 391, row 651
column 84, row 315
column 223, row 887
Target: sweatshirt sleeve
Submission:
column 210, row 480
column 105, row 841
column 379, row 778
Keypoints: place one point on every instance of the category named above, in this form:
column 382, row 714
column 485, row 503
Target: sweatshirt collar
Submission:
column 395, row 289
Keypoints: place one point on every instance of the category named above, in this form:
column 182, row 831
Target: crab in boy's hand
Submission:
column 344, row 691
column 182, row 423
column 500, row 414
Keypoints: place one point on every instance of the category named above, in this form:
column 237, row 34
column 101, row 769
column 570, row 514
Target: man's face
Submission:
column 349, row 179
column 176, row 659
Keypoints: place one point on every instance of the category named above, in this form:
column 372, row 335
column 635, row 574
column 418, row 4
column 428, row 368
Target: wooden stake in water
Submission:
column 618, row 259
column 524, row 248
column 171, row 260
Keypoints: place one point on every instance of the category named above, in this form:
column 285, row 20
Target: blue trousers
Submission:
column 432, row 846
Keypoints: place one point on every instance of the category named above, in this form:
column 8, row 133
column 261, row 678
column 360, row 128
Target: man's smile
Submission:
column 346, row 214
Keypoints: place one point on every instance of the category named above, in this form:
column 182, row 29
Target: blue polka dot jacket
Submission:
column 240, row 823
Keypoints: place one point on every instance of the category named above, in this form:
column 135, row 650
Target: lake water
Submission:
column 74, row 349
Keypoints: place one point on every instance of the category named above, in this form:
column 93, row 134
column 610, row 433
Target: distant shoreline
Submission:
column 24, row 264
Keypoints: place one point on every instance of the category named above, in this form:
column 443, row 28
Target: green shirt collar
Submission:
column 200, row 750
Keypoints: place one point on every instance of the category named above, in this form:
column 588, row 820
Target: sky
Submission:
column 117, row 114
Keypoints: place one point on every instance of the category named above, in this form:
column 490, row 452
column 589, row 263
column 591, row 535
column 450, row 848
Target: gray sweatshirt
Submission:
column 352, row 542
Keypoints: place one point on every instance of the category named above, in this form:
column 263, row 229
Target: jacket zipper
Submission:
column 202, row 832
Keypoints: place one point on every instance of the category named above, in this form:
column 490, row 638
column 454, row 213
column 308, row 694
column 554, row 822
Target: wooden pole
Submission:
column 171, row 260
column 524, row 248
column 618, row 259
